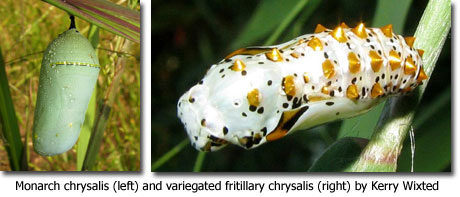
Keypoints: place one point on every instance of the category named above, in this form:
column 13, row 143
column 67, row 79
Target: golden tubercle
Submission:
column 238, row 65
column 354, row 63
column 395, row 60
column 320, row 28
column 422, row 75
column 315, row 44
column 376, row 61
column 274, row 55
column 289, row 85
column 325, row 90
column 387, row 30
column 344, row 25
column 306, row 79
column 409, row 66
column 339, row 34
column 360, row 31
column 376, row 90
column 328, row 69
column 410, row 41
column 253, row 97
column 352, row 91
column 295, row 55
column 420, row 52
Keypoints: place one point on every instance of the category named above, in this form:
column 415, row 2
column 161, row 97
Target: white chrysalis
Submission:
column 261, row 94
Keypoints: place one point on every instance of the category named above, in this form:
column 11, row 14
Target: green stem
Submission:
column 199, row 161
column 167, row 156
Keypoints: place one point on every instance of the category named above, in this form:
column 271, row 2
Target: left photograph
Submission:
column 70, row 85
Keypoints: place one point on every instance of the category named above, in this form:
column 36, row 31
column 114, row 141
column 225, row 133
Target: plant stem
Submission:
column 199, row 161
column 167, row 156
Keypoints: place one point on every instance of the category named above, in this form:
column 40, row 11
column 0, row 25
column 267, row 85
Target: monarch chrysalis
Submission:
column 68, row 75
column 261, row 94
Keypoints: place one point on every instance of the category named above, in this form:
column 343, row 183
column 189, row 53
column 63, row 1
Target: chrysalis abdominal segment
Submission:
column 68, row 75
column 261, row 94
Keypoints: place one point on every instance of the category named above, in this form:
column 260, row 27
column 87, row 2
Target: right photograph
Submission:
column 301, row 86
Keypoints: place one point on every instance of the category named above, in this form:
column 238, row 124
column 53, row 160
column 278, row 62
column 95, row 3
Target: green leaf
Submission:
column 434, row 133
column 429, row 111
column 266, row 18
column 301, row 20
column 286, row 21
column 339, row 155
column 93, row 36
column 96, row 136
column 107, row 15
column 9, row 123
column 392, row 12
column 361, row 126
column 85, row 133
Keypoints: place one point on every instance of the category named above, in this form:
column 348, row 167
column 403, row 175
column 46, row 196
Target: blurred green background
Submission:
column 190, row 36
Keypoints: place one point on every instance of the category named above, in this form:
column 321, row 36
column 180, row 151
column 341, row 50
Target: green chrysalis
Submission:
column 67, row 78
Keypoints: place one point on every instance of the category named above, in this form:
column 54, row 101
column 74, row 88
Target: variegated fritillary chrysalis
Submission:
column 261, row 94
